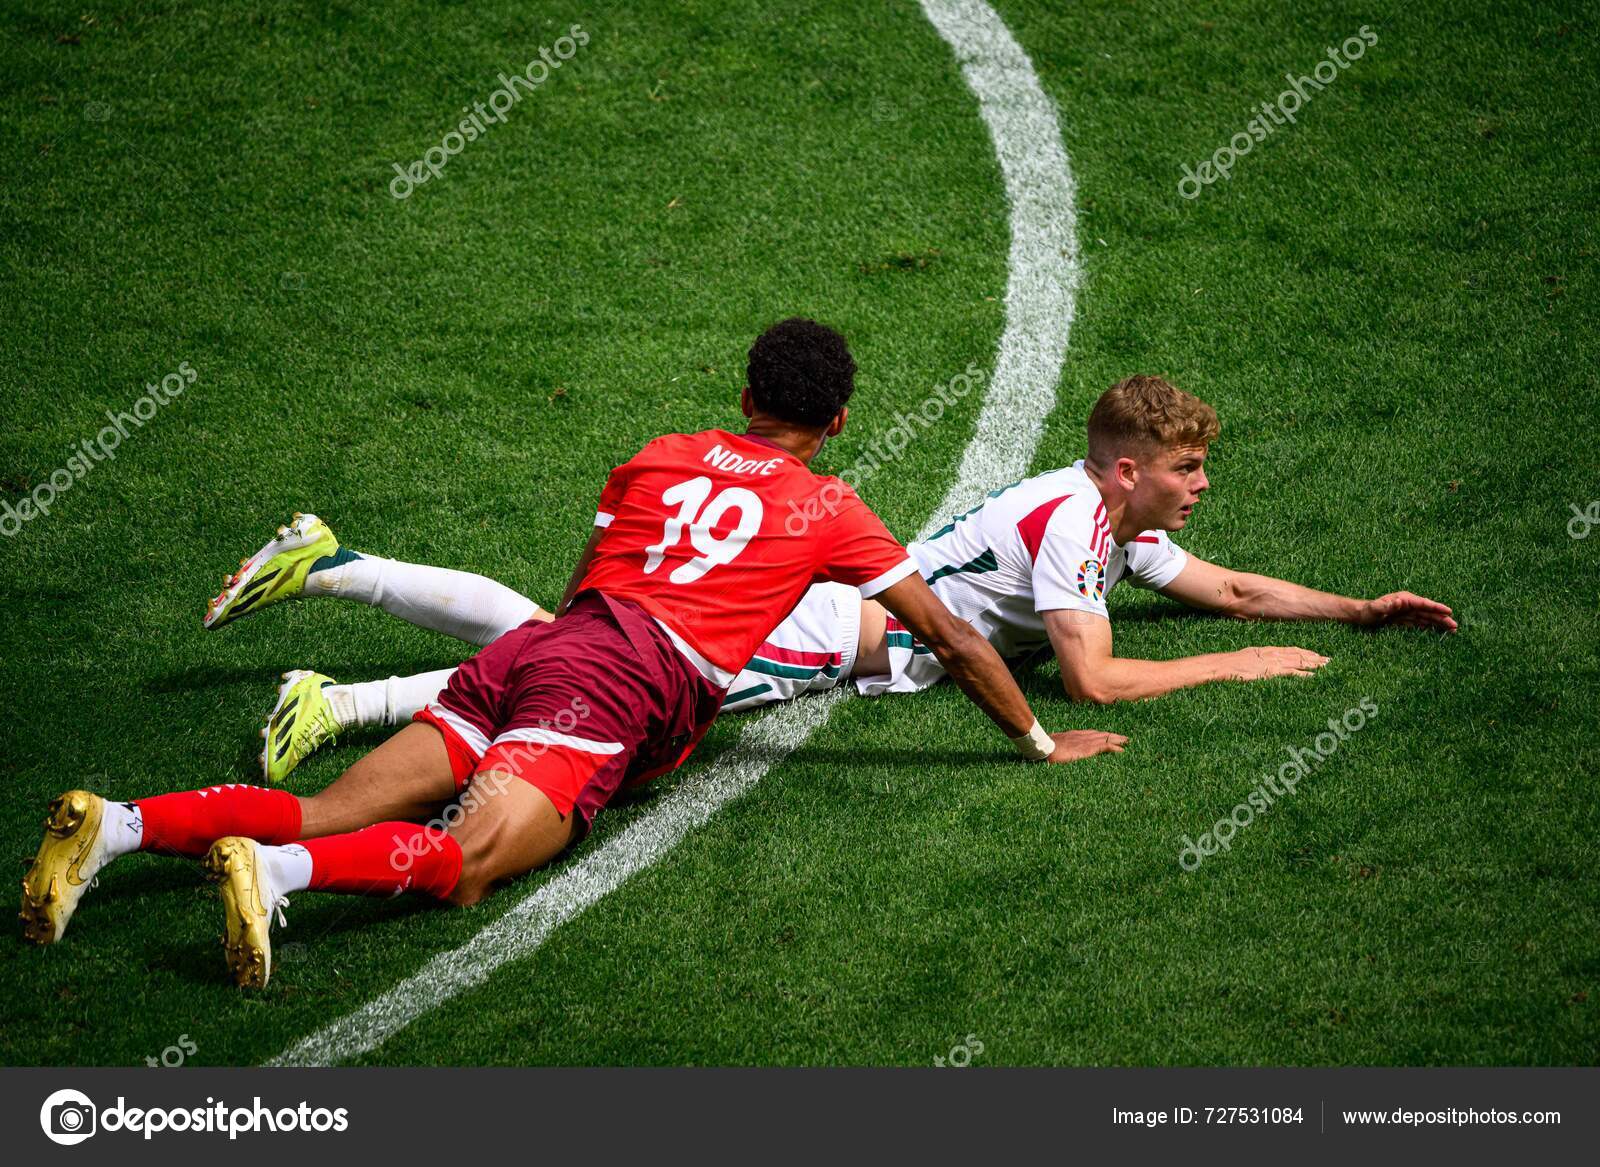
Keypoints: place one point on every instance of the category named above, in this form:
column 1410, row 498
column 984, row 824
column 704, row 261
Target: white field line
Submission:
column 1044, row 251
column 1039, row 309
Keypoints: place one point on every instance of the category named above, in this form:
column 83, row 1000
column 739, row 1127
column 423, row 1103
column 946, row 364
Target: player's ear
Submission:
column 1127, row 473
column 837, row 424
column 747, row 404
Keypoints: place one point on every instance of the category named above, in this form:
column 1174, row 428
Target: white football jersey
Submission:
column 1040, row 544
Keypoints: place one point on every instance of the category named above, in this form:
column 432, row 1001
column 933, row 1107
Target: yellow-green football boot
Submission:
column 299, row 724
column 278, row 571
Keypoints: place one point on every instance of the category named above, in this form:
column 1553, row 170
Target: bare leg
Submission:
column 872, row 650
column 514, row 829
column 407, row 778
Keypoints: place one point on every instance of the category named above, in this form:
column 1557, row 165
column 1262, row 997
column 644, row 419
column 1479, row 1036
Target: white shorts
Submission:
column 813, row 650
column 912, row 665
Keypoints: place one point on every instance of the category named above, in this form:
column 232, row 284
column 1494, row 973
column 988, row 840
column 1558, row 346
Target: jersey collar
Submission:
column 757, row 440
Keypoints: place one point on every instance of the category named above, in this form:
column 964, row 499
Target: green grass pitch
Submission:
column 1392, row 304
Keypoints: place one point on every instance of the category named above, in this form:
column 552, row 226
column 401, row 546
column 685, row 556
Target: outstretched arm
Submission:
column 1247, row 596
column 1089, row 671
column 974, row 665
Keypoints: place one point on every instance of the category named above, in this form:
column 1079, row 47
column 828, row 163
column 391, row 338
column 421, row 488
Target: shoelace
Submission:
column 328, row 725
column 278, row 905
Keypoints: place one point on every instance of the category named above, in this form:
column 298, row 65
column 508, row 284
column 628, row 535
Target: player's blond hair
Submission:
column 1143, row 414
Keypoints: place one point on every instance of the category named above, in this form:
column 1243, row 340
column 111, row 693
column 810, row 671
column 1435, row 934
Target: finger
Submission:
column 1421, row 605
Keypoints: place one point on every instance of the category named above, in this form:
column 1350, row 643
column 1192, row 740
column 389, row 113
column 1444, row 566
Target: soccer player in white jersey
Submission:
column 1029, row 567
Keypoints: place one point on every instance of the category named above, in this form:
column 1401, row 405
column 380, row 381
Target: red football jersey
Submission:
column 718, row 535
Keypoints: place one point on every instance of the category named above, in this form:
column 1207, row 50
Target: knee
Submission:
column 465, row 894
column 473, row 884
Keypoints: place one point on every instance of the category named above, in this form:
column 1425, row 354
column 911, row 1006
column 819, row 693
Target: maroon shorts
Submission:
column 579, row 706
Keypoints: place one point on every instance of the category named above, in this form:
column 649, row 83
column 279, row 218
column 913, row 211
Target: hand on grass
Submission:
column 1255, row 664
column 1405, row 610
column 1077, row 744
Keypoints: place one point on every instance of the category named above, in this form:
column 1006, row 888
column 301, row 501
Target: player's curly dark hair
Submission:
column 801, row 372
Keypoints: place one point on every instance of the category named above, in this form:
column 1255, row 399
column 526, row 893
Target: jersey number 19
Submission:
column 700, row 517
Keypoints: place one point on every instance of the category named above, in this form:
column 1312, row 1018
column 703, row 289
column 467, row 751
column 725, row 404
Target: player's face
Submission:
column 1170, row 483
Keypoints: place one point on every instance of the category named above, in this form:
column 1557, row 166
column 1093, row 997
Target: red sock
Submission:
column 187, row 823
column 386, row 859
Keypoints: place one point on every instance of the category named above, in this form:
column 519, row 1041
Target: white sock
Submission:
column 288, row 867
column 342, row 701
column 390, row 702
column 469, row 607
column 122, row 828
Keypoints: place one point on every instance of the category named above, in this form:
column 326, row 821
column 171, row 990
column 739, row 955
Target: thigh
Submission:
column 408, row 777
column 872, row 647
column 506, row 827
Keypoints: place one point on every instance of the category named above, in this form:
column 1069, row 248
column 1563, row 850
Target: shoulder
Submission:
column 655, row 449
column 1072, row 523
column 1154, row 559
column 833, row 498
column 835, row 488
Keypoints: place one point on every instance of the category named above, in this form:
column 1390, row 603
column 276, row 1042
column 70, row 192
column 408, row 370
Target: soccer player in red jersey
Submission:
column 702, row 544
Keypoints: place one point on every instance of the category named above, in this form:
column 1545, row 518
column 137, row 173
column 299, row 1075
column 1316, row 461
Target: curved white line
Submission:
column 1039, row 308
column 1044, row 251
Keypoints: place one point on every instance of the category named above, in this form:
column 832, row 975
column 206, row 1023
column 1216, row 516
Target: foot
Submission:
column 73, row 851
column 277, row 572
column 301, row 721
column 248, row 901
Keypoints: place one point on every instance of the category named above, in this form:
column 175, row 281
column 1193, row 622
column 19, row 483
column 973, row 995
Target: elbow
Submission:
column 959, row 643
column 1239, row 600
column 1227, row 602
column 1087, row 692
column 960, row 648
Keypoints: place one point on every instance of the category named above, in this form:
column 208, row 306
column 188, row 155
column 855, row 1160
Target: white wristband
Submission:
column 1035, row 745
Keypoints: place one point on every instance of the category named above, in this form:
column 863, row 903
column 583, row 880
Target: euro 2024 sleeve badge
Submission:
column 1091, row 579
